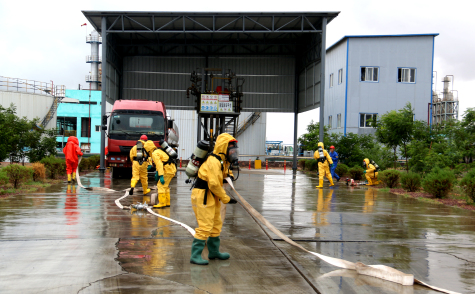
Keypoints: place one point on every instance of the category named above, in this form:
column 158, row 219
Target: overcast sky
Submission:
column 44, row 40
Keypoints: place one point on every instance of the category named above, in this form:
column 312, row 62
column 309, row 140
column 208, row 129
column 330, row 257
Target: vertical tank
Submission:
column 94, row 78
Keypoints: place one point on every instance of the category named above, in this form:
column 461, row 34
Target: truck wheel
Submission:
column 115, row 173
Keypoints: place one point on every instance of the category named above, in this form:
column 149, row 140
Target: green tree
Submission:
column 311, row 138
column 395, row 129
column 21, row 137
column 44, row 146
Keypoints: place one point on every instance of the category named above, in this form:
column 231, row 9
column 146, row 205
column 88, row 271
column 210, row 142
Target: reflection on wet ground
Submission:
column 67, row 239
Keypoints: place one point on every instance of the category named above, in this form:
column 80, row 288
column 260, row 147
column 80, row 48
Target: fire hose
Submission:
column 379, row 271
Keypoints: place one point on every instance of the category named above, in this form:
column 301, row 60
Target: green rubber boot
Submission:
column 196, row 249
column 213, row 248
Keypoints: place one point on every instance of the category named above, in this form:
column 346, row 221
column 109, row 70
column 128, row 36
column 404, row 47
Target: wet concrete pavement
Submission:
column 75, row 241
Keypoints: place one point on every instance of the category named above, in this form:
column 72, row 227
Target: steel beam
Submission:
column 102, row 167
column 322, row 79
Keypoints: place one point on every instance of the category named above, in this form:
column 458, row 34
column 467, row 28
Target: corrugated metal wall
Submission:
column 112, row 83
column 269, row 82
column 29, row 105
column 252, row 141
column 309, row 87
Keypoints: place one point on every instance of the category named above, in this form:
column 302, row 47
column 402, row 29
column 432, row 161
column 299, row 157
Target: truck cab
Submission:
column 128, row 121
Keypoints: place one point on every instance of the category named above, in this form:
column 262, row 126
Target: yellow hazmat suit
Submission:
column 371, row 173
column 206, row 201
column 167, row 170
column 139, row 171
column 323, row 167
column 211, row 171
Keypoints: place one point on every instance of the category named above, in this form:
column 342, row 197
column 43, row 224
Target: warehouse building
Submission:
column 367, row 76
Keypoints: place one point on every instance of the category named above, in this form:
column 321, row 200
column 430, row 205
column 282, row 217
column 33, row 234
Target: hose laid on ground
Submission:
column 78, row 179
column 378, row 271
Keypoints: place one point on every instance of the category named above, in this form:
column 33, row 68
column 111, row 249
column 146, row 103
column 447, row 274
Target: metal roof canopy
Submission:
column 297, row 36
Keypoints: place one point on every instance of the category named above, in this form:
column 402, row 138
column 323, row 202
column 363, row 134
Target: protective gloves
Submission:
column 162, row 180
column 232, row 201
column 364, row 171
column 149, row 168
column 156, row 176
column 225, row 182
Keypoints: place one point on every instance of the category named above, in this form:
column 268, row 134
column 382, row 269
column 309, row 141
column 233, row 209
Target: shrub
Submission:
column 18, row 174
column 302, row 163
column 341, row 169
column 439, row 182
column 54, row 166
column 390, row 177
column 3, row 177
column 94, row 161
column 356, row 172
column 39, row 171
column 84, row 164
column 410, row 181
column 311, row 164
column 468, row 184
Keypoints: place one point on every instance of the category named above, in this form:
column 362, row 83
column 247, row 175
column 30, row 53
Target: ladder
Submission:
column 58, row 94
column 248, row 122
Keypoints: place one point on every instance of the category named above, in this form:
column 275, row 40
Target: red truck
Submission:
column 128, row 121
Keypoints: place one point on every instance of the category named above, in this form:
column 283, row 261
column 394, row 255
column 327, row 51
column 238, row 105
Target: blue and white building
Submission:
column 367, row 76
column 79, row 114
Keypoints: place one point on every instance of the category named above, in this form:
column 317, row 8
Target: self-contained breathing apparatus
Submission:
column 376, row 166
column 321, row 155
column 142, row 154
column 200, row 155
column 202, row 152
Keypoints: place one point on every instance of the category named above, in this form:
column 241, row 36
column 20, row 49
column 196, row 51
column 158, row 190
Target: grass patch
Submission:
column 386, row 189
column 428, row 200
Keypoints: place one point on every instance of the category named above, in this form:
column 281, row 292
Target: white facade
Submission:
column 29, row 105
column 251, row 142
column 371, row 75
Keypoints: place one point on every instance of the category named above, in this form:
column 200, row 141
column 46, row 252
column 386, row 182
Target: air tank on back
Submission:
column 168, row 149
column 197, row 158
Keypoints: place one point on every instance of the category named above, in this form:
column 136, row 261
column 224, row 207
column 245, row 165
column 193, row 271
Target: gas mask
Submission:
column 364, row 164
column 232, row 154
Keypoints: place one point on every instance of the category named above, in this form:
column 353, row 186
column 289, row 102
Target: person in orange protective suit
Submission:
column 324, row 161
column 206, row 198
column 166, row 170
column 72, row 152
column 139, row 169
column 370, row 173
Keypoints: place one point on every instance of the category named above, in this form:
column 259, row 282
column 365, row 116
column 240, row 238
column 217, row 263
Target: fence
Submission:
column 31, row 86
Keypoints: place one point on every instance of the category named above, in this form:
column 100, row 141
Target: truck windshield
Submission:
column 137, row 124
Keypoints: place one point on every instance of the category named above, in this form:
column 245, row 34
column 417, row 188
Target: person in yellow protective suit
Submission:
column 166, row 170
column 207, row 195
column 324, row 161
column 370, row 173
column 139, row 170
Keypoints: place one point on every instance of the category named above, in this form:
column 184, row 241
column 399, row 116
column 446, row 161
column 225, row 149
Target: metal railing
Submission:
column 93, row 39
column 93, row 58
column 93, row 78
column 31, row 86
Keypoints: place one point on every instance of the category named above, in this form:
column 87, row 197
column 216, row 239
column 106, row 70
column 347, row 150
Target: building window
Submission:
column 85, row 127
column 331, row 80
column 369, row 74
column 330, row 122
column 340, row 76
column 406, row 75
column 338, row 121
column 66, row 126
column 366, row 119
column 98, row 128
